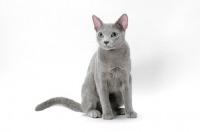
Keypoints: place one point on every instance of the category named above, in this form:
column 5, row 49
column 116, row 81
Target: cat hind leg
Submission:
column 94, row 113
column 90, row 99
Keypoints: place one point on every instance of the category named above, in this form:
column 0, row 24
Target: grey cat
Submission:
column 108, row 84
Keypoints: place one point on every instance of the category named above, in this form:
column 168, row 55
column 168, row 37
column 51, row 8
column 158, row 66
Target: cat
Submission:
column 108, row 84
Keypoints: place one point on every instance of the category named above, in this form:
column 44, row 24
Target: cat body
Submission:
column 108, row 83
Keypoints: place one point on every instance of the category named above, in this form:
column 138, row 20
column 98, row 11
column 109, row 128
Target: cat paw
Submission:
column 119, row 111
column 108, row 116
column 94, row 113
column 131, row 114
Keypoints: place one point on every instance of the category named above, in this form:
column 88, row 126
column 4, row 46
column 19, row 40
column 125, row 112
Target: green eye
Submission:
column 114, row 34
column 100, row 35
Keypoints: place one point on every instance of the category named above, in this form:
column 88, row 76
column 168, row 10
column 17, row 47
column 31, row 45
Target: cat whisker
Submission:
column 92, row 47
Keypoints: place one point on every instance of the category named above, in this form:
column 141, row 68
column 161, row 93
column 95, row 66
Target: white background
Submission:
column 46, row 46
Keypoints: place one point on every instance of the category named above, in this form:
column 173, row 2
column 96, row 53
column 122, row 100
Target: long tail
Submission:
column 60, row 100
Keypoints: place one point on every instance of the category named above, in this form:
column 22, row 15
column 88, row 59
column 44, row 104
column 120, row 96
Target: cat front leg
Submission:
column 127, row 96
column 104, row 98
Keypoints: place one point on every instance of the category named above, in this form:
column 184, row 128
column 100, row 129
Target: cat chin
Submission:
column 107, row 48
column 112, row 48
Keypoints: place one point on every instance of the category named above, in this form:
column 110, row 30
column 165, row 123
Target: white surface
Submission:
column 46, row 46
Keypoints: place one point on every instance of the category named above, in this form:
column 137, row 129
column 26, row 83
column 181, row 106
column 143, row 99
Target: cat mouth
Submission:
column 109, row 47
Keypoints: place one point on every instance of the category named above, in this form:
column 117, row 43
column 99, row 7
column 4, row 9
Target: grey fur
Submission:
column 108, row 84
column 60, row 100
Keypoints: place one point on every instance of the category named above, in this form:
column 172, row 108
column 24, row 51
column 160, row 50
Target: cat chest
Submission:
column 115, row 73
column 114, row 79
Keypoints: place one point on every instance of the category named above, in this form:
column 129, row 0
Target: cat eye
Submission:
column 114, row 34
column 100, row 35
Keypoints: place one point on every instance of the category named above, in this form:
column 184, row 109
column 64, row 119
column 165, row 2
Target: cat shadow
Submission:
column 117, row 118
column 148, row 74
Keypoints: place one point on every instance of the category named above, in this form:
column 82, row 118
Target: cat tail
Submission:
column 60, row 100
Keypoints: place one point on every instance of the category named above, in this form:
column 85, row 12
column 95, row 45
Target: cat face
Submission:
column 110, row 36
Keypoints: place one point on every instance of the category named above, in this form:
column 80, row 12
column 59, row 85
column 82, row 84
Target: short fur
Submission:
column 108, row 84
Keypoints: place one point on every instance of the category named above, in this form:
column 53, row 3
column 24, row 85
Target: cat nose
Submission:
column 106, row 42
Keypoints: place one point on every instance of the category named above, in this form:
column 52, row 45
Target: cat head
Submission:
column 110, row 36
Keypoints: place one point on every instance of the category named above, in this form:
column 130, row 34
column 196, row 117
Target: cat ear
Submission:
column 122, row 22
column 97, row 22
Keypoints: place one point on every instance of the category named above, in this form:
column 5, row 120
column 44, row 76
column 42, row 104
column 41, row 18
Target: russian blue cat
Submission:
column 108, row 83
